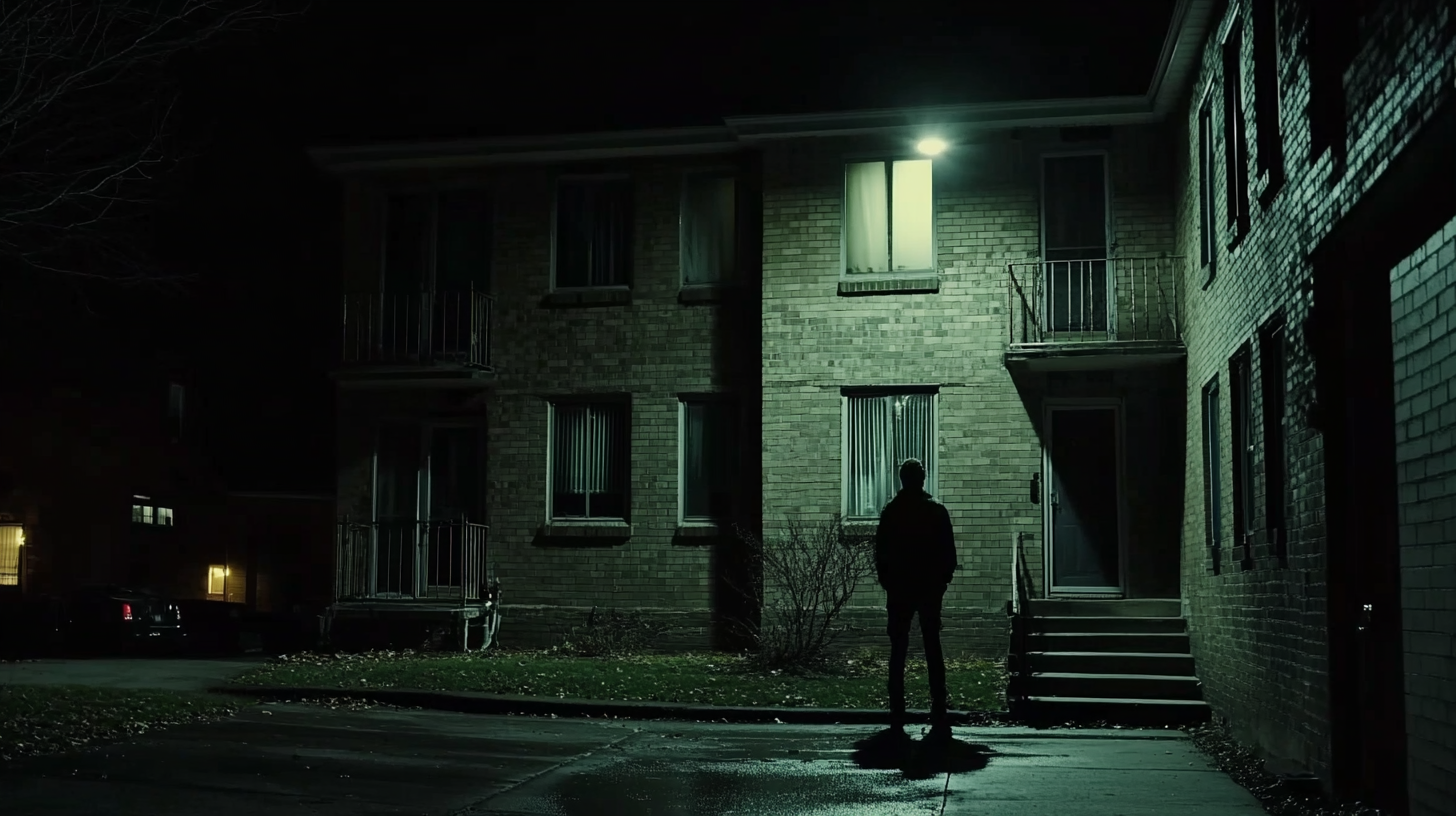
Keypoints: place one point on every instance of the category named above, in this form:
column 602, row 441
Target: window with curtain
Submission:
column 883, row 430
column 589, row 461
column 593, row 233
column 889, row 217
column 1212, row 478
column 709, row 228
column 12, row 537
column 709, row 453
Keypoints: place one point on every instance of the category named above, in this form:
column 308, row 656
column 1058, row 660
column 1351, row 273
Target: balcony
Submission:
column 416, row 337
column 1098, row 313
column 439, row 562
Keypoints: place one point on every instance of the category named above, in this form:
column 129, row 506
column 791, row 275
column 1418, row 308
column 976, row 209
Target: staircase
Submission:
column 1122, row 661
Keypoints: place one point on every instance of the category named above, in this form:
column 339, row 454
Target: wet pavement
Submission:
column 300, row 759
column 171, row 674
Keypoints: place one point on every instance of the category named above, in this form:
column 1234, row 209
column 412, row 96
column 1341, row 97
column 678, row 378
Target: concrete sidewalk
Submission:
column 297, row 758
column 171, row 674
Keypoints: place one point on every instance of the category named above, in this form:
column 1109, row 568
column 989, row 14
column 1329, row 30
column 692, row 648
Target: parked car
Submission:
column 112, row 618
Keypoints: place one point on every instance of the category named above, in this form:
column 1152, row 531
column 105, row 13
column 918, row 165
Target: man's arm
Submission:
column 945, row 544
column 884, row 543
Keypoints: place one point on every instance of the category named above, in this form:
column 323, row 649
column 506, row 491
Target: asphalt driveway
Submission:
column 320, row 761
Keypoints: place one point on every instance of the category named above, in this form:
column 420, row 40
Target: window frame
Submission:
column 1268, row 97
column 432, row 262
column 1207, row 207
column 735, row 420
column 712, row 171
column 1235, row 134
column 552, row 403
column 593, row 178
column 888, row 158
column 1212, row 471
column 1274, row 388
column 1242, row 443
column 932, row 473
column 151, row 513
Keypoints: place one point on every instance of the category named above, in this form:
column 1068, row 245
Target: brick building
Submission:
column 1091, row 317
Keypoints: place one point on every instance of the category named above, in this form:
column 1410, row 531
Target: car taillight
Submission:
column 126, row 611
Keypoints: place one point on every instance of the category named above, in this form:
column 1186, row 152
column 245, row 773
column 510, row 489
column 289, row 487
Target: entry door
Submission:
column 1074, row 243
column 399, row 487
column 463, row 229
column 1083, row 503
column 454, row 497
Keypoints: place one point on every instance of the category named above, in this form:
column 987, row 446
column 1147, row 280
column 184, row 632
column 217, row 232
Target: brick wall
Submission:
column 816, row 341
column 1258, row 626
column 1423, row 295
column 651, row 349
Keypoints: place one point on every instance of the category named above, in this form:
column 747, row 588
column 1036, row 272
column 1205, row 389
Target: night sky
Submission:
column 256, row 224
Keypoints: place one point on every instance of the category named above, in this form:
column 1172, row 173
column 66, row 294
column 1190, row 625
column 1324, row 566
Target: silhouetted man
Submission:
column 914, row 558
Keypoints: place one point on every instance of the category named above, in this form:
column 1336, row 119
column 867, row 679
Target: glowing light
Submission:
column 931, row 146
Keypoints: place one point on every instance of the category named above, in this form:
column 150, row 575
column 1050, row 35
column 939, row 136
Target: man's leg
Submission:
column 934, row 655
column 900, row 610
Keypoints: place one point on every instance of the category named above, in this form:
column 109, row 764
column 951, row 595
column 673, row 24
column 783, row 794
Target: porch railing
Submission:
column 1096, row 299
column 417, row 328
column 411, row 560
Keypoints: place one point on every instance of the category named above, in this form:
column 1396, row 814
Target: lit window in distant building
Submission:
column 143, row 511
column 12, row 538
column 216, row 579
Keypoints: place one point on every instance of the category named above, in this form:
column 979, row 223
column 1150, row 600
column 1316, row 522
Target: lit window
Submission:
column 139, row 513
column 882, row 431
column 217, row 575
column 888, row 219
column 164, row 516
column 12, row 537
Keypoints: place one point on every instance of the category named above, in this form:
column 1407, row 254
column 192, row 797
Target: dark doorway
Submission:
column 1083, row 500
column 1074, row 242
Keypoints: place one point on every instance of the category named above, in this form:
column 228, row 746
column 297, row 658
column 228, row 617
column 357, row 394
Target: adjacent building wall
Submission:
column 1258, row 623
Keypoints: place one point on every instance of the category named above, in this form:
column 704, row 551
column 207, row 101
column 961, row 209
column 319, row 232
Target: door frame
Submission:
column 1107, row 230
column 1050, row 405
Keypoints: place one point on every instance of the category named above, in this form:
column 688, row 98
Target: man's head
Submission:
column 912, row 474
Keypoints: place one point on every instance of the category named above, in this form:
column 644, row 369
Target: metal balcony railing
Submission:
column 411, row 560
column 1094, row 300
column 417, row 328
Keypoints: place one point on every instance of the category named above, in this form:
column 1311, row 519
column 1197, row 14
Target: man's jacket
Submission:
column 914, row 544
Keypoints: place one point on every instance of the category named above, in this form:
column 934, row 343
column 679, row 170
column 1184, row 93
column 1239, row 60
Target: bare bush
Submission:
column 807, row 574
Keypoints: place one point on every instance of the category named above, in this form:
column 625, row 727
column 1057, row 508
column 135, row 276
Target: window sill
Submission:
column 602, row 530
column 700, row 530
column 1207, row 276
column 1267, row 186
column 704, row 293
column 616, row 296
column 898, row 285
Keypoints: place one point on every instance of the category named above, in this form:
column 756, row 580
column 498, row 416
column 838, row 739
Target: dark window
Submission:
column 1271, row 370
column 709, row 454
column 1212, row 483
column 438, row 240
column 1241, row 417
column 1074, row 237
column 1333, row 41
column 1270, row 145
column 1235, row 137
column 709, row 228
column 593, row 233
column 590, row 451
column 1205, row 190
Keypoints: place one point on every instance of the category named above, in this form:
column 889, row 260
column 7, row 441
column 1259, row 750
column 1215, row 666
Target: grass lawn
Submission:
column 48, row 719
column 713, row 679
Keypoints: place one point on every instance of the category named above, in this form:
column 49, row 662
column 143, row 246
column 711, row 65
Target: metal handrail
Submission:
column 1131, row 298
column 409, row 559
column 427, row 327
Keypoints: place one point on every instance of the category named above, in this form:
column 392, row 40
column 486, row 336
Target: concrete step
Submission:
column 1163, row 663
column 1120, row 710
column 1130, row 607
column 1085, row 623
column 1135, row 686
column 1107, row 642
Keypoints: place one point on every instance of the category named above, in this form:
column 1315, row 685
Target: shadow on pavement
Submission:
column 893, row 750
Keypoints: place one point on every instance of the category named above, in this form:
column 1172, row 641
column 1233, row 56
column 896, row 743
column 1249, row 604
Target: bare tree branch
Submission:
column 86, row 105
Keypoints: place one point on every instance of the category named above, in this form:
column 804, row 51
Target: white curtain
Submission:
column 10, row 538
column 912, row 243
column 867, row 207
column 708, row 229
column 884, row 431
column 588, row 449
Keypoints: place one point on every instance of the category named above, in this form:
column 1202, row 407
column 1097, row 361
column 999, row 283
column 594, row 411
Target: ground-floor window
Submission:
column 882, row 429
column 12, row 538
column 708, row 458
column 589, row 458
column 1212, row 478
